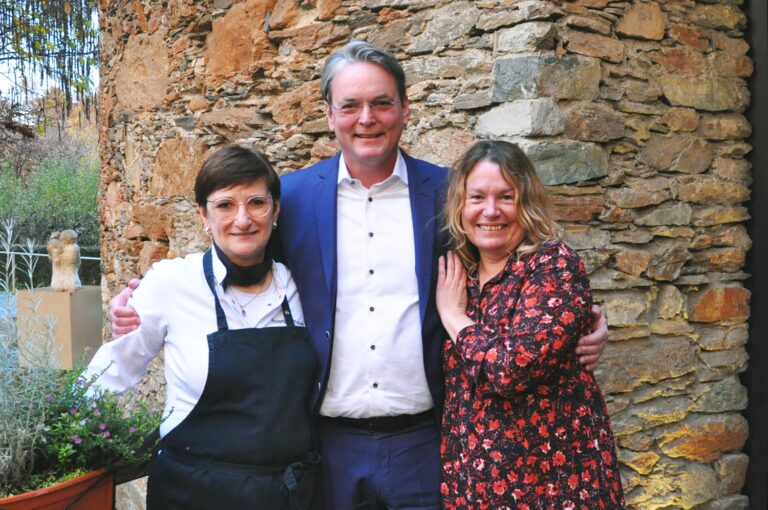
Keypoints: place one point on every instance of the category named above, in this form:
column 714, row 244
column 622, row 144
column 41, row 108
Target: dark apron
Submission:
column 247, row 443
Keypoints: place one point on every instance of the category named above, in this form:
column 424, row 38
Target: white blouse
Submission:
column 177, row 313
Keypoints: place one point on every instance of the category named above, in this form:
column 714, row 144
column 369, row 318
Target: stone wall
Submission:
column 632, row 111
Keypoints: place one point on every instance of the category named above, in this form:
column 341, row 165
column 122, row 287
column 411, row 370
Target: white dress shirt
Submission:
column 177, row 313
column 377, row 364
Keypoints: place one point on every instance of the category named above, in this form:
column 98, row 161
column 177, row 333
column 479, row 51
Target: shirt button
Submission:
column 371, row 308
column 370, row 199
column 370, row 271
column 370, row 234
column 373, row 347
column 375, row 385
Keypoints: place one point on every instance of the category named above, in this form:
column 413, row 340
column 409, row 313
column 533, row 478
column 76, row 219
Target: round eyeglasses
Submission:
column 226, row 208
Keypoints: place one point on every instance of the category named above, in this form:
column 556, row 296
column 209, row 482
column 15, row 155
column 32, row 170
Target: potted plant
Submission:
column 61, row 438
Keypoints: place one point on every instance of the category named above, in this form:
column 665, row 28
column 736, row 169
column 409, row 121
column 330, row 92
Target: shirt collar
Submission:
column 219, row 271
column 400, row 171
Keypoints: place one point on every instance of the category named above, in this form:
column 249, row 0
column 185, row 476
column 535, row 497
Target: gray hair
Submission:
column 360, row 51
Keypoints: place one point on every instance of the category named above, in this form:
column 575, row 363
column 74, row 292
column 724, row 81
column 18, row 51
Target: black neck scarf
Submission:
column 244, row 276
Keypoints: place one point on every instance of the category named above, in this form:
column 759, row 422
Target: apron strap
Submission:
column 221, row 319
column 287, row 313
column 290, row 480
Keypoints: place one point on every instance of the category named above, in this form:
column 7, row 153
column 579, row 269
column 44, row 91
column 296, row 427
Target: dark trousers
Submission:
column 377, row 470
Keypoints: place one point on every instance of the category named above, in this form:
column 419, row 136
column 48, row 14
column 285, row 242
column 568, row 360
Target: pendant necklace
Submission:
column 242, row 307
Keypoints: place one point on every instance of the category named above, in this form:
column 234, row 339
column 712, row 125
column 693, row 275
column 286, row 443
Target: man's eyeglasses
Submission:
column 226, row 208
column 381, row 106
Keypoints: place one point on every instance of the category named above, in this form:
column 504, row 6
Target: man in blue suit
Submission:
column 361, row 235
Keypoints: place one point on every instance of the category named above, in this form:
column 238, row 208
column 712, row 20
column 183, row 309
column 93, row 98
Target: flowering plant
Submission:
column 85, row 427
column 56, row 424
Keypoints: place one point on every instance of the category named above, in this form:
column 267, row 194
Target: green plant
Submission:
column 55, row 424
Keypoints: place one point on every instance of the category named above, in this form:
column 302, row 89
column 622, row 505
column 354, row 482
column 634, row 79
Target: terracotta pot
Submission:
column 95, row 490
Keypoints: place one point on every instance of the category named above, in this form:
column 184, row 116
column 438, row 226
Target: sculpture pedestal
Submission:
column 78, row 317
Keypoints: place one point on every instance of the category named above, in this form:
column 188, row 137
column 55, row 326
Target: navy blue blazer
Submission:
column 306, row 241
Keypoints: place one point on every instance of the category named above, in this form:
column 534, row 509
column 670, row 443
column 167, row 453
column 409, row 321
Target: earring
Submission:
column 274, row 225
column 207, row 230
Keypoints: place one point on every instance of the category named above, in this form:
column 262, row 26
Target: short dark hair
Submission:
column 360, row 51
column 233, row 165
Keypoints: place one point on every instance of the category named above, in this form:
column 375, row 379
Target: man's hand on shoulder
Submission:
column 591, row 346
column 122, row 315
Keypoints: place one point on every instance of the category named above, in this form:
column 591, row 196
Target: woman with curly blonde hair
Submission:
column 525, row 424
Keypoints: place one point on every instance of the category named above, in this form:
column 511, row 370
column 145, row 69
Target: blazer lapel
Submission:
column 325, row 216
column 421, row 189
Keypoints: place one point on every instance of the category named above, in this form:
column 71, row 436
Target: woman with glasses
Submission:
column 238, row 362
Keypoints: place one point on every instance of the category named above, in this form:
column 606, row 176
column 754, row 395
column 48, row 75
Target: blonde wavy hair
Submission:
column 531, row 200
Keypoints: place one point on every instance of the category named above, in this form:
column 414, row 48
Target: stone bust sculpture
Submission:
column 64, row 253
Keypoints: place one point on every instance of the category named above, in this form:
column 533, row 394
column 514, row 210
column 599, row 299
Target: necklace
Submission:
column 242, row 307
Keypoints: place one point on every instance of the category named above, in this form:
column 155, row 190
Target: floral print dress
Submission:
column 525, row 425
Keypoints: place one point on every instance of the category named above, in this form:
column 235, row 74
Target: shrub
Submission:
column 57, row 191
column 54, row 424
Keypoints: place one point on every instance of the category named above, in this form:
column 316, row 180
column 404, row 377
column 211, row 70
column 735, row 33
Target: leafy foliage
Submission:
column 57, row 39
column 55, row 424
column 56, row 189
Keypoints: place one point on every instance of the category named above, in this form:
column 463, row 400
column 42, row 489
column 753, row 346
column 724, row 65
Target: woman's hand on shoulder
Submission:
column 451, row 296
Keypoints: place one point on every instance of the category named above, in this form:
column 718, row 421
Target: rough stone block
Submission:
column 636, row 193
column 668, row 256
column 576, row 208
column 625, row 308
column 529, row 76
column 532, row 36
column 707, row 189
column 727, row 260
column 719, row 304
column 719, row 396
column 454, row 20
column 642, row 20
column 732, row 470
column 705, row 93
column 582, row 237
column 629, row 364
column 642, row 462
column 527, row 10
column 704, row 438
column 720, row 338
column 670, row 213
column 528, row 117
column 430, row 68
column 681, row 119
column 727, row 126
column 669, row 302
column 566, row 161
column 678, row 152
column 593, row 122
column 691, row 36
column 156, row 220
column 442, row 146
column 177, row 163
column 633, row 262
column 142, row 79
column 595, row 45
column 718, row 215
column 718, row 17
column 238, row 35
column 731, row 502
